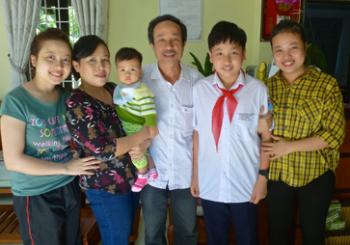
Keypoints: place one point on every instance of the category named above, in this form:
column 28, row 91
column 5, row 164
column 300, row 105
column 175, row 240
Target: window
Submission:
column 59, row 14
column 327, row 25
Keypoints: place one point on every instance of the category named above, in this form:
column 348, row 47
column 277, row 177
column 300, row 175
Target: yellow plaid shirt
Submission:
column 311, row 106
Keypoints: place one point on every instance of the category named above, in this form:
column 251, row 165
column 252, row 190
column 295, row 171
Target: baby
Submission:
column 135, row 107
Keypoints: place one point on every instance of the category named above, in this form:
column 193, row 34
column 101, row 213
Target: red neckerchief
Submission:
column 218, row 111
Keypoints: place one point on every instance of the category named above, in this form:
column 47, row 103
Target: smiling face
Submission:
column 289, row 52
column 53, row 62
column 227, row 58
column 129, row 71
column 168, row 44
column 95, row 68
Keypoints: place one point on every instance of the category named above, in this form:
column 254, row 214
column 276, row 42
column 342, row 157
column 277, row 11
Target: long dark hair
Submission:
column 84, row 47
column 50, row 34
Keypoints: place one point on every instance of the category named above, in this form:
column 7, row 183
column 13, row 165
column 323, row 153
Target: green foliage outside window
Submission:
column 50, row 19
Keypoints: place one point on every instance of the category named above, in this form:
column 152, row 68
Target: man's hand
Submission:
column 260, row 190
column 195, row 187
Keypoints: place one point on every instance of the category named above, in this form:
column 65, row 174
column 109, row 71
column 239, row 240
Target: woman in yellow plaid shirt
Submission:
column 309, row 129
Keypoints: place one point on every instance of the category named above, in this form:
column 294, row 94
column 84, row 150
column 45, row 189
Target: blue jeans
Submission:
column 183, row 206
column 114, row 215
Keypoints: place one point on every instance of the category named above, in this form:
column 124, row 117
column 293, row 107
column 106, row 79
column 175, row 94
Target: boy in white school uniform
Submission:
column 230, row 121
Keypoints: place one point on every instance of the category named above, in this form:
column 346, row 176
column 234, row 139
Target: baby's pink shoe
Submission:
column 152, row 174
column 140, row 182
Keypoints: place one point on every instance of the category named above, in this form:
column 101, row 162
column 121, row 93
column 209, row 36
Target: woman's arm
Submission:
column 137, row 152
column 13, row 140
column 331, row 134
column 281, row 147
column 125, row 144
column 95, row 134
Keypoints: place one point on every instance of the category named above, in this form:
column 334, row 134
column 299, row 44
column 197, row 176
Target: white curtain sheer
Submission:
column 21, row 20
column 92, row 17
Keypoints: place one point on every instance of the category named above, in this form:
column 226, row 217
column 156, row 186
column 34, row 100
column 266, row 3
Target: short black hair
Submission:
column 288, row 26
column 226, row 31
column 166, row 17
column 86, row 45
column 127, row 54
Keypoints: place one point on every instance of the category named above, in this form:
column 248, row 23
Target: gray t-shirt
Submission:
column 46, row 137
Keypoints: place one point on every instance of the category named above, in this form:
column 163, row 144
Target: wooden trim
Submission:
column 5, row 190
column 344, row 154
column 329, row 1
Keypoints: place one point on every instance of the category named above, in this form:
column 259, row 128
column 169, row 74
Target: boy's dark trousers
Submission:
column 218, row 217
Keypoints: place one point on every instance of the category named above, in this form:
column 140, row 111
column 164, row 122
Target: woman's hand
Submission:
column 126, row 143
column 153, row 131
column 138, row 151
column 82, row 166
column 278, row 148
column 149, row 132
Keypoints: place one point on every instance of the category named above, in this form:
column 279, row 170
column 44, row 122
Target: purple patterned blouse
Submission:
column 95, row 126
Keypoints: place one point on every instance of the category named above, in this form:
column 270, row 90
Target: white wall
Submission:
column 128, row 21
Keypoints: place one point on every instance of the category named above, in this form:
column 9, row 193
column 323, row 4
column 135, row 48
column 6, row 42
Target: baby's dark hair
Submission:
column 162, row 18
column 226, row 31
column 288, row 26
column 127, row 54
column 54, row 34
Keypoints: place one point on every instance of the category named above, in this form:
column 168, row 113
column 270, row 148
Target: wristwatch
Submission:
column 264, row 172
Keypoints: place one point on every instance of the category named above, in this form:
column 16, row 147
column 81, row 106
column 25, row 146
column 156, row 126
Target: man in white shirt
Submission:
column 172, row 83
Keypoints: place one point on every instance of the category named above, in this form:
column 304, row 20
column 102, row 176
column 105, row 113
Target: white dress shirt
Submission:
column 171, row 150
column 229, row 174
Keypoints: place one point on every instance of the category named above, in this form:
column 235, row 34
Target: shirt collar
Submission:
column 241, row 80
column 156, row 74
column 312, row 74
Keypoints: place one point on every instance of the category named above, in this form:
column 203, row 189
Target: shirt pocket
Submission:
column 309, row 113
column 310, row 110
column 245, row 127
column 185, row 120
